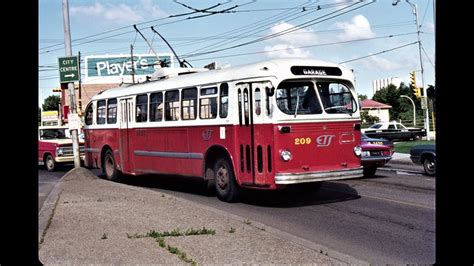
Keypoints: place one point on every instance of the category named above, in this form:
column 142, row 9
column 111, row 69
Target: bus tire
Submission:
column 226, row 188
column 369, row 171
column 109, row 166
column 50, row 163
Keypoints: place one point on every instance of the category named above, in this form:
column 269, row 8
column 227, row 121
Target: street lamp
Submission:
column 414, row 108
column 427, row 117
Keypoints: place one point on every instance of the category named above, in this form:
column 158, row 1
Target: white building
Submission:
column 381, row 83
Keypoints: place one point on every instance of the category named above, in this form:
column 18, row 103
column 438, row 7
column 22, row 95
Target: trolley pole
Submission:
column 70, row 86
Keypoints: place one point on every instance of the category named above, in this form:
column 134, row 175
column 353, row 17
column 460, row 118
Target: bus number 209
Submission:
column 302, row 141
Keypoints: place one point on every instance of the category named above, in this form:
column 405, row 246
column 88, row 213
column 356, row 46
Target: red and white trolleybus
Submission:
column 264, row 125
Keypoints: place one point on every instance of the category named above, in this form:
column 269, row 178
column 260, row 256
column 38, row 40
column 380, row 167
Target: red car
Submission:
column 55, row 147
column 375, row 153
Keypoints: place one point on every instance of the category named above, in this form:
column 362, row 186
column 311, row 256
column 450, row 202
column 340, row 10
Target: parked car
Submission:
column 55, row 147
column 426, row 155
column 394, row 131
column 376, row 152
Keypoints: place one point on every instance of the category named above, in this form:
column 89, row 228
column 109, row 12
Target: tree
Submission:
column 362, row 97
column 401, row 108
column 51, row 103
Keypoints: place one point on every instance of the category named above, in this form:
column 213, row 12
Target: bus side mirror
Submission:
column 270, row 91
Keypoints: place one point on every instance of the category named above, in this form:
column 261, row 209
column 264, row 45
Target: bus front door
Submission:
column 254, row 136
column 126, row 116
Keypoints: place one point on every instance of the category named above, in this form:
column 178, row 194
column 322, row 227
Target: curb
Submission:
column 46, row 212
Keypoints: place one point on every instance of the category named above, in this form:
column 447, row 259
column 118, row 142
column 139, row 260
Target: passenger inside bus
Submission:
column 311, row 102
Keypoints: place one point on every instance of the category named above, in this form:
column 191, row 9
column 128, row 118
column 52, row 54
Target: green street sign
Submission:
column 69, row 69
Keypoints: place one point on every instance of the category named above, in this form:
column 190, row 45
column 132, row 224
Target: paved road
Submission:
column 46, row 182
column 386, row 219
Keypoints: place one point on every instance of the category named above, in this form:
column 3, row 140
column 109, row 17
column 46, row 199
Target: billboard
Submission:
column 121, row 65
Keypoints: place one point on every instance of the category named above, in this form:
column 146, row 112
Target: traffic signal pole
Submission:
column 70, row 85
column 425, row 94
column 425, row 97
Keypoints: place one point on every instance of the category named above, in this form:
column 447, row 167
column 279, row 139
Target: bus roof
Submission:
column 254, row 70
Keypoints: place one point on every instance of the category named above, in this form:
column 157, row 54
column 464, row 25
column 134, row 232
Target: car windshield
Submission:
column 53, row 133
column 376, row 126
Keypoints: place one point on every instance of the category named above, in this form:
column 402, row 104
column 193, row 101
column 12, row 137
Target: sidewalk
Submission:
column 87, row 220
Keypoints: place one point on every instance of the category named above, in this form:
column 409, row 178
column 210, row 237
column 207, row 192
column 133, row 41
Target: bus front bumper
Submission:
column 286, row 178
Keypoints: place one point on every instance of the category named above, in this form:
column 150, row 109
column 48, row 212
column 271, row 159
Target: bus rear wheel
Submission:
column 109, row 167
column 224, row 179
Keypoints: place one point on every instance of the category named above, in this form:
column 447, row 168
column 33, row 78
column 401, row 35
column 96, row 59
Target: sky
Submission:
column 376, row 39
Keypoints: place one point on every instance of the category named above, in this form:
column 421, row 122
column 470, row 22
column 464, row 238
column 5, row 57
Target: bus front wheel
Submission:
column 226, row 187
column 110, row 166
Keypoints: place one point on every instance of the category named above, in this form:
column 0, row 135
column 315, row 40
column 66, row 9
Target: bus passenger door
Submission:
column 244, row 166
column 126, row 116
column 262, row 132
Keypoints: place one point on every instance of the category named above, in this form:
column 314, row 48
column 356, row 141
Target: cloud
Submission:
column 380, row 63
column 119, row 14
column 289, row 41
column 357, row 28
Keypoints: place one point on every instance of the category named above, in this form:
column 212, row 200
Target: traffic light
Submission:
column 56, row 89
column 413, row 79
column 417, row 92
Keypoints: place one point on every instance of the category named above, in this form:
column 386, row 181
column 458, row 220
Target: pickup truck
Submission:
column 55, row 147
column 394, row 131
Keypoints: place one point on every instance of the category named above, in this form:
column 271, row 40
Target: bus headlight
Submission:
column 59, row 152
column 285, row 155
column 357, row 151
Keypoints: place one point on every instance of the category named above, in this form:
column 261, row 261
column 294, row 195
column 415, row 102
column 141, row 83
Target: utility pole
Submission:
column 70, row 85
column 133, row 66
column 425, row 95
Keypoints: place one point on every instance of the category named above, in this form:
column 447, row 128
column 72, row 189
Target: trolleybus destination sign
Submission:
column 69, row 69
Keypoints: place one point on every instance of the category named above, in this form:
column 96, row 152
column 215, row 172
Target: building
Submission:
column 381, row 83
column 377, row 109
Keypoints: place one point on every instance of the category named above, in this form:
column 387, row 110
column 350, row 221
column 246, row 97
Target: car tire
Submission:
column 369, row 171
column 50, row 163
column 429, row 164
column 226, row 187
column 109, row 167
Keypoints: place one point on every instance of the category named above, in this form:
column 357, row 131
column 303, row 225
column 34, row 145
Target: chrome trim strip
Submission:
column 92, row 150
column 286, row 178
column 376, row 158
column 183, row 155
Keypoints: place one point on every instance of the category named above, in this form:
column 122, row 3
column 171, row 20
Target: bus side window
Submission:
column 208, row 104
column 224, row 100
column 189, row 103
column 111, row 111
column 156, row 106
column 89, row 114
column 142, row 108
column 172, row 105
column 101, row 112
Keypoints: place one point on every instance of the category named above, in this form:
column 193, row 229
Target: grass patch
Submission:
column 404, row 147
column 160, row 238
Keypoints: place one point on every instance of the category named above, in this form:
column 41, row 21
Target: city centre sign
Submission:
column 121, row 65
column 69, row 69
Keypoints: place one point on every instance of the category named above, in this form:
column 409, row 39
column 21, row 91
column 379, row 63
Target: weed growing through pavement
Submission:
column 232, row 230
column 247, row 221
column 104, row 236
column 160, row 238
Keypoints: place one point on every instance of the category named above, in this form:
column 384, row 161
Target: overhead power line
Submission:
column 384, row 51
